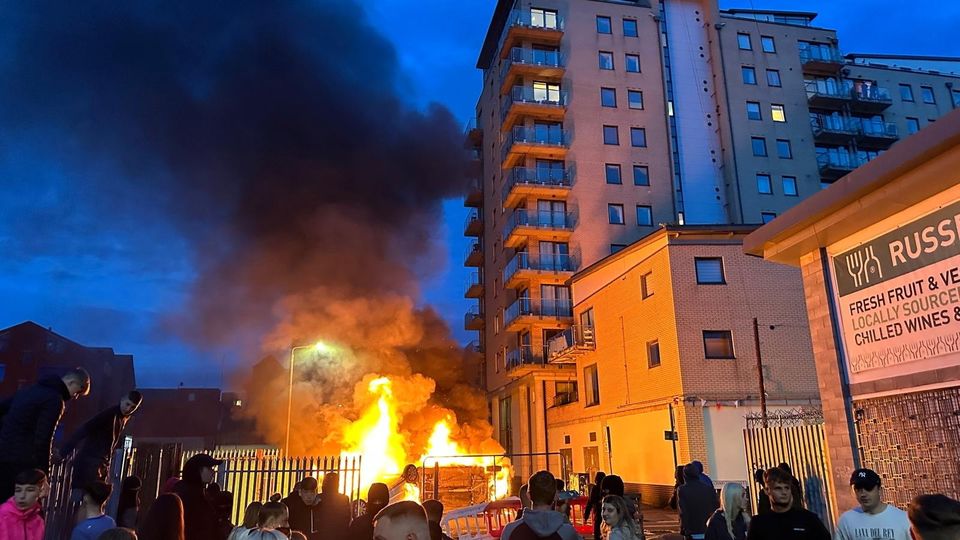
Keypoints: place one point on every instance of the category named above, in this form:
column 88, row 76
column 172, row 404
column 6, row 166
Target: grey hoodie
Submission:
column 543, row 523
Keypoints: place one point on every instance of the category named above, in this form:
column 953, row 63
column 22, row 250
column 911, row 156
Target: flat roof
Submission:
column 799, row 230
column 904, row 57
column 805, row 14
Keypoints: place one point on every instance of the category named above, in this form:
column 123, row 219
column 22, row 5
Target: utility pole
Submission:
column 763, row 391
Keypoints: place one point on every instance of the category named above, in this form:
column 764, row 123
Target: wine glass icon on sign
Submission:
column 863, row 266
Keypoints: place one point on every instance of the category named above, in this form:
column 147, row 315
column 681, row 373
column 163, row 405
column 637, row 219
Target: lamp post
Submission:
column 319, row 347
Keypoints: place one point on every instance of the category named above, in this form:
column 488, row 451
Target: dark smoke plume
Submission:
column 269, row 136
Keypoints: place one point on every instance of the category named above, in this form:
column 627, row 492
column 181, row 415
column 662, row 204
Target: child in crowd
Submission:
column 20, row 517
column 95, row 522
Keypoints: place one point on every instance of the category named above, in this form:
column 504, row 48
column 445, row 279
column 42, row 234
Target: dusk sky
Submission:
column 103, row 277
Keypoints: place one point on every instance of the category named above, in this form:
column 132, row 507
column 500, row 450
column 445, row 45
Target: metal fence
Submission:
column 795, row 437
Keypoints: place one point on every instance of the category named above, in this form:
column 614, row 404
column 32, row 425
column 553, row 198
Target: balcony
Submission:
column 828, row 94
column 539, row 141
column 474, row 196
column 538, row 183
column 538, row 103
column 835, row 165
column 524, row 268
column 473, row 319
column 523, row 360
column 877, row 134
column 473, row 225
column 520, row 62
column 821, row 59
column 474, row 286
column 474, row 255
column 475, row 347
column 834, row 130
column 522, row 25
column 869, row 99
column 569, row 345
column 545, row 224
column 526, row 311
column 473, row 134
column 565, row 398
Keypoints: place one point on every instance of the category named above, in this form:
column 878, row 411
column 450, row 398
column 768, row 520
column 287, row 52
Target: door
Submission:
column 554, row 256
column 555, row 300
column 552, row 214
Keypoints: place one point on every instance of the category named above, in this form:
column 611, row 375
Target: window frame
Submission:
column 606, row 91
column 909, row 97
column 646, row 288
column 609, row 22
column 616, row 132
column 773, row 44
column 646, row 175
column 649, row 210
column 727, row 335
column 606, row 54
column 642, row 133
column 636, row 27
column 759, row 117
column 769, row 183
column 924, row 92
column 744, row 70
column 764, row 215
column 631, row 92
column 696, row 268
column 607, row 167
column 740, row 42
column 916, row 121
column 611, row 207
column 783, row 184
column 784, row 143
column 779, row 80
column 782, row 109
column 653, row 345
column 626, row 62
column 762, row 146
column 591, row 385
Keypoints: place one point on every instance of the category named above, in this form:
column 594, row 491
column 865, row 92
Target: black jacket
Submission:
column 697, row 502
column 361, row 528
column 335, row 514
column 199, row 516
column 95, row 441
column 32, row 415
column 303, row 518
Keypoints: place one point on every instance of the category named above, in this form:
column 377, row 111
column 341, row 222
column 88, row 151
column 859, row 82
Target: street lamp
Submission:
column 320, row 348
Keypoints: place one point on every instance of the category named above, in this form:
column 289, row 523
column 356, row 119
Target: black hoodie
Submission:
column 32, row 415
column 199, row 516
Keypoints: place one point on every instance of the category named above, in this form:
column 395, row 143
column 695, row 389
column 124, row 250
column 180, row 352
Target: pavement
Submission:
column 660, row 521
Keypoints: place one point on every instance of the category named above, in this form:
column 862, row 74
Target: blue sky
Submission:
column 109, row 291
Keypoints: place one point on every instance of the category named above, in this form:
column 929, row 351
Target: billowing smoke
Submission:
column 270, row 140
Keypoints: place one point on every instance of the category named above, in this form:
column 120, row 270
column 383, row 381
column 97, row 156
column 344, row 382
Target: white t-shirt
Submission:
column 891, row 524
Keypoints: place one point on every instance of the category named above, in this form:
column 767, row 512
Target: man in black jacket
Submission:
column 96, row 440
column 378, row 497
column 697, row 502
column 304, row 508
column 335, row 510
column 30, row 419
column 199, row 516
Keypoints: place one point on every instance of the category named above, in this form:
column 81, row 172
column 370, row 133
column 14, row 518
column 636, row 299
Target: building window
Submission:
column 753, row 111
column 709, row 270
column 613, row 173
column 543, row 18
column 955, row 95
column 615, row 213
column 767, row 217
column 611, row 135
column 913, row 125
column 638, row 137
column 763, row 184
column 767, row 44
column 606, row 60
column 614, row 248
column 743, row 42
column 635, row 99
column 783, row 149
column 586, row 318
column 630, row 28
column 633, row 63
column 653, row 354
column 926, row 94
column 603, row 25
column 566, row 392
column 777, row 113
column 759, row 145
column 773, row 77
column 790, row 186
column 906, row 92
column 506, row 425
column 749, row 75
column 718, row 344
column 608, row 97
column 641, row 175
column 592, row 384
column 646, row 285
column 644, row 216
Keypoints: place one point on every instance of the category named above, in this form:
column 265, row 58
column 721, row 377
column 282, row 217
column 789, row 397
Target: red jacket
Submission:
column 16, row 524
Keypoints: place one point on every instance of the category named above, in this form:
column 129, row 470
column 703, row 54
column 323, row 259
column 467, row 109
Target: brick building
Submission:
column 880, row 256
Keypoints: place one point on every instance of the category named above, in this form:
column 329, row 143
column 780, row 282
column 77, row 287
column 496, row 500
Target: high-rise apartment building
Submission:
column 599, row 120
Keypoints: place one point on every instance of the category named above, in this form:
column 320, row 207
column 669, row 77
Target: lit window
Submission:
column 777, row 113
column 641, row 175
column 633, row 63
column 763, row 184
column 591, row 383
column 773, row 77
column 653, row 354
column 743, row 41
column 709, row 270
column 749, row 75
column 759, row 146
column 906, row 92
column 790, row 186
column 646, row 285
column 767, row 44
column 644, row 216
column 603, row 25
column 635, row 99
column 615, row 214
column 608, row 97
column 630, row 28
column 767, row 217
column 926, row 94
column 784, row 151
column 611, row 135
column 753, row 110
column 613, row 173
column 638, row 137
column 606, row 60
column 543, row 18
column 718, row 344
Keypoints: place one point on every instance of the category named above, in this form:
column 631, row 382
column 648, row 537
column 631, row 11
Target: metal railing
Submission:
column 833, row 88
column 527, row 94
column 838, row 161
column 872, row 128
column 834, row 124
column 541, row 219
column 565, row 398
column 525, row 19
column 532, row 57
column 535, row 135
column 543, row 262
column 820, row 54
column 544, row 307
column 872, row 93
column 577, row 337
column 523, row 356
column 520, row 176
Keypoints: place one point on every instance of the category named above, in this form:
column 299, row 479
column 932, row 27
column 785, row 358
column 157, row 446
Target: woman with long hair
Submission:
column 164, row 519
column 732, row 519
column 250, row 518
column 618, row 523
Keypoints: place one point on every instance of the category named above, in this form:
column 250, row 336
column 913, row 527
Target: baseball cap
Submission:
column 204, row 460
column 864, row 478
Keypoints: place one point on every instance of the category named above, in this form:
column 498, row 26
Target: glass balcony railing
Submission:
column 828, row 88
column 545, row 307
column 522, row 176
column 532, row 57
column 473, row 318
column 820, row 54
column 833, row 124
column 877, row 129
column 838, row 161
column 536, row 96
column 523, row 356
column 474, row 284
column 542, row 262
column 536, row 136
column 526, row 18
column 541, row 219
column 872, row 93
